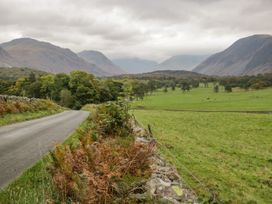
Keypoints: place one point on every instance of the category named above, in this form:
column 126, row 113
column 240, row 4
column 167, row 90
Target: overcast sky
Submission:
column 152, row 29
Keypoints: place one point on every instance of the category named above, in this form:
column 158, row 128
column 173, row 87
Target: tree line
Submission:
column 70, row 90
column 79, row 88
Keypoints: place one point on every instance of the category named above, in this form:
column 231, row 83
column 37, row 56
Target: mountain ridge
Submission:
column 247, row 56
column 98, row 58
column 47, row 57
column 181, row 62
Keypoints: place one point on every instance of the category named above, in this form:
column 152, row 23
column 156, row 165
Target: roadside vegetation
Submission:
column 106, row 165
column 224, row 157
column 98, row 164
column 15, row 109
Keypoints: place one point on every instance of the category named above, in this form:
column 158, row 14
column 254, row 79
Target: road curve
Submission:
column 22, row 144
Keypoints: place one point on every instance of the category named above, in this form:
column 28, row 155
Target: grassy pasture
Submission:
column 226, row 156
column 206, row 99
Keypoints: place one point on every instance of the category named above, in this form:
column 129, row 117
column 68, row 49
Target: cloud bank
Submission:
column 153, row 29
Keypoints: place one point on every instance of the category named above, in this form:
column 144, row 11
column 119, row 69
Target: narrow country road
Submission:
column 22, row 144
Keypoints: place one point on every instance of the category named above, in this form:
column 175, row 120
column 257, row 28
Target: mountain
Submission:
column 5, row 59
column 181, row 62
column 135, row 65
column 163, row 74
column 102, row 61
column 247, row 56
column 47, row 57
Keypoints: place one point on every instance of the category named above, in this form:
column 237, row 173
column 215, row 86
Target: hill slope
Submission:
column 5, row 59
column 102, row 61
column 247, row 56
column 163, row 74
column 181, row 62
column 13, row 73
column 135, row 65
column 47, row 57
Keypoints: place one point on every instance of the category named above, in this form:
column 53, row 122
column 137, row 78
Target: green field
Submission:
column 222, row 156
column 206, row 99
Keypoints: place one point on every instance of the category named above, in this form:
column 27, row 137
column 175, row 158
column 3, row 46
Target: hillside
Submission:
column 164, row 74
column 99, row 59
column 5, row 59
column 181, row 62
column 15, row 73
column 47, row 57
column 135, row 65
column 247, row 56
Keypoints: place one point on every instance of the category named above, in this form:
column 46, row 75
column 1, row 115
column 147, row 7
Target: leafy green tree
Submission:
column 228, row 88
column 47, row 85
column 31, row 77
column 151, row 84
column 139, row 89
column 34, row 89
column 66, row 98
column 185, row 86
column 216, row 88
column 61, row 82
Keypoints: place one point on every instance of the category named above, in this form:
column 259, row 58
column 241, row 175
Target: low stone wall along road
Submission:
column 23, row 144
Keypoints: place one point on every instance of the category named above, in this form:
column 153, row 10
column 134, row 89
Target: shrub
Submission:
column 112, row 119
column 93, row 173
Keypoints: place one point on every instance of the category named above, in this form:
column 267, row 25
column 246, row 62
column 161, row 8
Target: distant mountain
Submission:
column 181, row 62
column 13, row 73
column 135, row 65
column 247, row 56
column 163, row 74
column 47, row 57
column 102, row 61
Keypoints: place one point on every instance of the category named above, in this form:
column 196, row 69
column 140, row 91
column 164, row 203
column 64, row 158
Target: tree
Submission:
column 34, row 90
column 216, row 88
column 228, row 88
column 151, row 84
column 66, row 98
column 31, row 77
column 138, row 89
column 47, row 85
column 185, row 86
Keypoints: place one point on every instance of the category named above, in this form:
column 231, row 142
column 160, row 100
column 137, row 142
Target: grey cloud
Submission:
column 152, row 29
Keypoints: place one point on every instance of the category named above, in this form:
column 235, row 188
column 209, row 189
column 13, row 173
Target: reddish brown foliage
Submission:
column 90, row 173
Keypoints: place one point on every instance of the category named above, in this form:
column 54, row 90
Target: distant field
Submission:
column 223, row 155
column 206, row 99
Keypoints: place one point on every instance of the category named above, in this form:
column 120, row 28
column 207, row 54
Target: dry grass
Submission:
column 21, row 106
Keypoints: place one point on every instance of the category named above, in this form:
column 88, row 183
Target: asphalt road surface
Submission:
column 23, row 144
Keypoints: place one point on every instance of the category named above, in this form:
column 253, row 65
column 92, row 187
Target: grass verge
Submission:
column 19, row 117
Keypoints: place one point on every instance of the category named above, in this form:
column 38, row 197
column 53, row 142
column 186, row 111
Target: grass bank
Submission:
column 19, row 117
